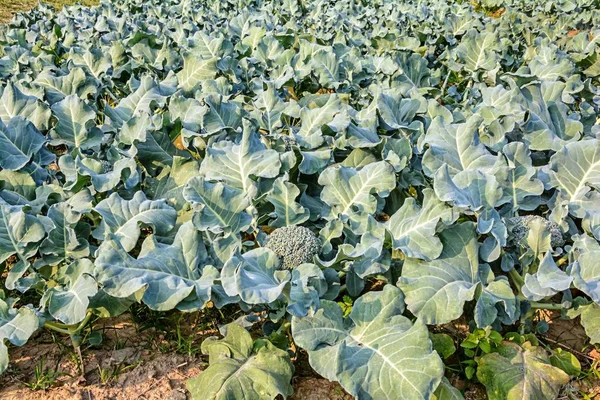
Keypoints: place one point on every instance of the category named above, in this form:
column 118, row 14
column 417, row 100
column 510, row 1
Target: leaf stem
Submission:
column 465, row 97
column 545, row 306
column 54, row 327
column 285, row 326
column 83, row 323
column 68, row 329
column 516, row 278
column 445, row 84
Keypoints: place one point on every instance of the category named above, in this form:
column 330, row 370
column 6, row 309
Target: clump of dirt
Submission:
column 306, row 388
column 563, row 332
column 476, row 392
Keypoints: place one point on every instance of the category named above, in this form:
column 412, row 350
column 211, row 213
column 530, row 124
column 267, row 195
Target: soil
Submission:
column 132, row 368
column 137, row 361
column 563, row 332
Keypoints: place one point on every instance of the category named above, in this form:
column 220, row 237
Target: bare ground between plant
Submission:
column 9, row 7
column 141, row 362
column 128, row 364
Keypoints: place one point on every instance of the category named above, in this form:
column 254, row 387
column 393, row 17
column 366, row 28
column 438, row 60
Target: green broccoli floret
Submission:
column 294, row 245
column 521, row 225
column 289, row 142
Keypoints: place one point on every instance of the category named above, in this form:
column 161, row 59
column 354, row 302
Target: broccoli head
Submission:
column 521, row 226
column 294, row 245
column 289, row 142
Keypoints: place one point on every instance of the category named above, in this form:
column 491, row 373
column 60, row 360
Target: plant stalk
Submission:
column 284, row 327
column 545, row 306
column 70, row 330
column 516, row 278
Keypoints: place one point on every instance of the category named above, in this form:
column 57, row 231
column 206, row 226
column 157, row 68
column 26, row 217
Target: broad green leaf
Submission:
column 95, row 61
column 367, row 253
column 169, row 185
column 20, row 235
column 585, row 272
column 218, row 207
column 326, row 67
column 237, row 163
column 307, row 284
column 195, row 70
column 501, row 110
column 63, row 241
column 104, row 175
column 456, row 145
column 189, row 111
column 19, row 141
column 516, row 372
column 222, row 115
column 57, row 87
column 376, row 352
column 254, row 276
column 590, row 320
column 575, row 169
column 360, row 136
column 518, row 178
column 547, row 281
column 141, row 100
column 16, row 326
column 169, row 276
column 566, row 361
column 443, row 344
column 477, row 50
column 240, row 370
column 14, row 103
column 69, row 303
column 414, row 75
column 348, row 190
column 539, row 239
column 497, row 301
column 252, row 36
column 436, row 291
column 107, row 306
column 269, row 109
column 551, row 64
column 287, row 211
column 332, row 114
column 445, row 391
column 122, row 219
column 398, row 152
column 474, row 189
column 135, row 130
column 157, row 151
column 76, row 126
column 17, row 188
column 314, row 161
column 548, row 125
column 208, row 47
column 413, row 228
column 399, row 113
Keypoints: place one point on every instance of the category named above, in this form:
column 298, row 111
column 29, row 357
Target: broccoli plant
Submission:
column 521, row 226
column 352, row 175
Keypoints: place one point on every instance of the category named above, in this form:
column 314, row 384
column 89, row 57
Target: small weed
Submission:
column 186, row 343
column 338, row 390
column 110, row 374
column 346, row 305
column 145, row 318
column 44, row 378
